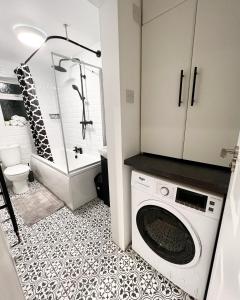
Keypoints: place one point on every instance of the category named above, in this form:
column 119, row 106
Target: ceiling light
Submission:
column 30, row 35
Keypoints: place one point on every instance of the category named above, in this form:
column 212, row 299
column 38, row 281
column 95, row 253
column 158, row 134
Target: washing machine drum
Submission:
column 166, row 234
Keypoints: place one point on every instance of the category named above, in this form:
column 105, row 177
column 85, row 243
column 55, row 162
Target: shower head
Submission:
column 59, row 68
column 75, row 87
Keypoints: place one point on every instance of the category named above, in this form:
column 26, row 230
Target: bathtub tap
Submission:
column 77, row 150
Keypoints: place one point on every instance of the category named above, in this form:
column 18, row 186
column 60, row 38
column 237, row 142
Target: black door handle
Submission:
column 180, row 89
column 194, row 86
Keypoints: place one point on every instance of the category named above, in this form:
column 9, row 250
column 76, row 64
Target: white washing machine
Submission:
column 174, row 229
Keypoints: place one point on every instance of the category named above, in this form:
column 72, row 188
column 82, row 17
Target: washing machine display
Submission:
column 165, row 234
column 191, row 199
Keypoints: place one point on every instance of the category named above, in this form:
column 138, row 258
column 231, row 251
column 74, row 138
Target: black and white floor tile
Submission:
column 71, row 256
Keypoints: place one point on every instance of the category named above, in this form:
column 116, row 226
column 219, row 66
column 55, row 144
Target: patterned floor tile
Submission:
column 140, row 264
column 160, row 287
column 71, row 255
column 119, row 272
column 110, row 248
column 28, row 252
column 73, row 268
column 46, row 290
column 37, row 270
column 89, row 287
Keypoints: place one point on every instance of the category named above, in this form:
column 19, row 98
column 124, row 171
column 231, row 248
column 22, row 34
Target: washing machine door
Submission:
column 168, row 234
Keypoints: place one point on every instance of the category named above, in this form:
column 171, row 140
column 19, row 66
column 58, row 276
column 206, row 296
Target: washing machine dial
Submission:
column 164, row 191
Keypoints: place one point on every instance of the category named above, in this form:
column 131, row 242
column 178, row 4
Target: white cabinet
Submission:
column 166, row 50
column 213, row 121
column 206, row 40
column 154, row 8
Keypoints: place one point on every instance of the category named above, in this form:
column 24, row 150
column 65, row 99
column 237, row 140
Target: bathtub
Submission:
column 74, row 186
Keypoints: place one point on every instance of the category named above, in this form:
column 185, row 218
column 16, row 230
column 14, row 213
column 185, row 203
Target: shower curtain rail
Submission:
column 52, row 37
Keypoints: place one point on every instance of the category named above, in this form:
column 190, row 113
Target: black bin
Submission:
column 104, row 166
column 99, row 185
column 101, row 182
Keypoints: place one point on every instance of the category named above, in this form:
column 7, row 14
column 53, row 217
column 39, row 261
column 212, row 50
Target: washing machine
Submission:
column 174, row 229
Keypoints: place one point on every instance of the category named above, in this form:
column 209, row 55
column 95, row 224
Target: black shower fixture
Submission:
column 59, row 37
column 59, row 67
column 84, row 122
column 75, row 87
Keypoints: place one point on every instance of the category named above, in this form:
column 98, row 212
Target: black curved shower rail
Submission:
column 59, row 37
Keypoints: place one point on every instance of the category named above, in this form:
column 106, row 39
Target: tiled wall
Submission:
column 10, row 135
column 43, row 76
column 71, row 105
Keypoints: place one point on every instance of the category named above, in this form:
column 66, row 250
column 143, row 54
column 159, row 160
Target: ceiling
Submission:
column 48, row 15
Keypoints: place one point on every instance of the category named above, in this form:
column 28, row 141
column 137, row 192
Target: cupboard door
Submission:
column 166, row 50
column 154, row 8
column 213, row 120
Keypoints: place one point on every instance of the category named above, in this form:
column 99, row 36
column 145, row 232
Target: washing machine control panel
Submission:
column 189, row 198
column 165, row 190
column 180, row 196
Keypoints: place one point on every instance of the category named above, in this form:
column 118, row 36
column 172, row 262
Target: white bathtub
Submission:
column 74, row 188
column 71, row 163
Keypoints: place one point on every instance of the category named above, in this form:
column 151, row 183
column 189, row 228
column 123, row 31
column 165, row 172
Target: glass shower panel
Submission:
column 80, row 102
column 43, row 76
column 94, row 99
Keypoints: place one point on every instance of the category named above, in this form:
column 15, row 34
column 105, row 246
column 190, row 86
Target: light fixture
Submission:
column 30, row 35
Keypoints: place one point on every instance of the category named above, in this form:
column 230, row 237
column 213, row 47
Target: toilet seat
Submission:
column 16, row 170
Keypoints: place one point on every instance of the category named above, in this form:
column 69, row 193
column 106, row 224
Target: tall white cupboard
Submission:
column 190, row 78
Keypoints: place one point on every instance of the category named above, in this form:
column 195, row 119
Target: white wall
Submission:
column 91, row 58
column 10, row 135
column 121, row 48
column 130, row 58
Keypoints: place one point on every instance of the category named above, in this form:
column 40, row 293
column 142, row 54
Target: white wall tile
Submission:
column 71, row 105
column 10, row 135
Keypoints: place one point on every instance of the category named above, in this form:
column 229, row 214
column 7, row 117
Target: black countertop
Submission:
column 207, row 177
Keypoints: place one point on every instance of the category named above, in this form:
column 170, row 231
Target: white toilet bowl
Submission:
column 18, row 176
column 14, row 171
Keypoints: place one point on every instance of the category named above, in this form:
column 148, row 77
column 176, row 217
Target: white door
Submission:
column 225, row 279
column 166, row 50
column 213, row 117
column 10, row 286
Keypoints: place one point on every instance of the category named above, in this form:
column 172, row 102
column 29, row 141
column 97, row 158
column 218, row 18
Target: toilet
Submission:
column 14, row 171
